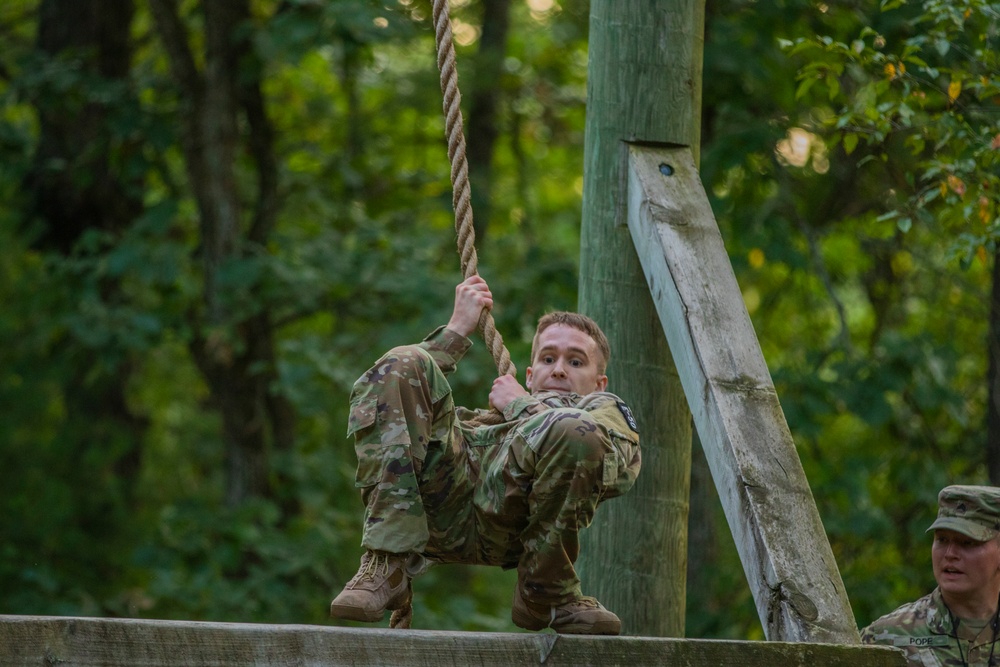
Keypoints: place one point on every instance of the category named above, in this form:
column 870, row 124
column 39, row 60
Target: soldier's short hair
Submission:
column 580, row 322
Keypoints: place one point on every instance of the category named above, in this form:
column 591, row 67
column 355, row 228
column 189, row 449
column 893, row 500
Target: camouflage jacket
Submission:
column 923, row 629
column 607, row 409
column 620, row 471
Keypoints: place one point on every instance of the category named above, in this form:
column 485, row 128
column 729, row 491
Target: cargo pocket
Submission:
column 621, row 465
column 362, row 415
column 367, row 440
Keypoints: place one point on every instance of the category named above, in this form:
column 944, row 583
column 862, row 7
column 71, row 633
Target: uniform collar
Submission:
column 938, row 618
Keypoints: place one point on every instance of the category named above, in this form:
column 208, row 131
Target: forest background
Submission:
column 215, row 215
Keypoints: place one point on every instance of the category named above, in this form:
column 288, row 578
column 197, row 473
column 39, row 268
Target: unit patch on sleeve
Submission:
column 629, row 417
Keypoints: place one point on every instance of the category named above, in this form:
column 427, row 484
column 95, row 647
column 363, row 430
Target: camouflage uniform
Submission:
column 512, row 494
column 923, row 629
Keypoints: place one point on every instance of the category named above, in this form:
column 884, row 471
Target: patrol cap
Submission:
column 973, row 511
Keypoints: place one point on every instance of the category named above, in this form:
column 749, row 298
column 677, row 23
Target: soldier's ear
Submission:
column 527, row 378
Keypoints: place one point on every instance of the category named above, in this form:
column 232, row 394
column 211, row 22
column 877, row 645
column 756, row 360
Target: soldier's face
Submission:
column 565, row 361
column 966, row 569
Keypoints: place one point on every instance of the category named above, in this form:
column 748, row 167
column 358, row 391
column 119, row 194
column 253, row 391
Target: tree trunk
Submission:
column 702, row 535
column 483, row 109
column 75, row 187
column 644, row 86
column 235, row 356
column 74, row 138
column 351, row 65
column 993, row 380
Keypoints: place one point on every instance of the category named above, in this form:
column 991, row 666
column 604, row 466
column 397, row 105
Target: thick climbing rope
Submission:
column 462, row 204
column 461, row 193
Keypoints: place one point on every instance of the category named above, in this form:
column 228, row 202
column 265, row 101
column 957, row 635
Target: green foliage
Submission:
column 126, row 516
column 849, row 189
column 920, row 100
column 848, row 154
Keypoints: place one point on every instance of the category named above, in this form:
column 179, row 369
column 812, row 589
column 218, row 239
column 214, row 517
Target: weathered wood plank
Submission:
column 787, row 558
column 88, row 642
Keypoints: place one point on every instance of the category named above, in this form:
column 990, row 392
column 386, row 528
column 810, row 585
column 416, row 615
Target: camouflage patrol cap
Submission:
column 973, row 511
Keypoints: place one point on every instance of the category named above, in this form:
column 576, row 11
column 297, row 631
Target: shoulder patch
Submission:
column 629, row 417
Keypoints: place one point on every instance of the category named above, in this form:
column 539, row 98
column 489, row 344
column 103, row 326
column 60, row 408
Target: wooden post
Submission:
column 778, row 532
column 644, row 85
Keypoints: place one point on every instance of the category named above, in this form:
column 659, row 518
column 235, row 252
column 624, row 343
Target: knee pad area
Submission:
column 404, row 362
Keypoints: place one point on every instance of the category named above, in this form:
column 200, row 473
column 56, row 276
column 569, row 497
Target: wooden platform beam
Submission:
column 786, row 555
column 88, row 642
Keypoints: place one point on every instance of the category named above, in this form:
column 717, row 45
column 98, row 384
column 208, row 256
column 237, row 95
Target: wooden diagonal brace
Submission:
column 786, row 555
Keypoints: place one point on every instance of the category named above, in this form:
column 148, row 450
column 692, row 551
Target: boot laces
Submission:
column 573, row 607
column 376, row 565
column 579, row 604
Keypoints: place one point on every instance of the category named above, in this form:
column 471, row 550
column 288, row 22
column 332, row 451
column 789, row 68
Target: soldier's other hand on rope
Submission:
column 505, row 389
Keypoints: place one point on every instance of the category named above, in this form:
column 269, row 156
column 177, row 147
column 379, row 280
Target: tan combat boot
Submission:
column 380, row 584
column 583, row 616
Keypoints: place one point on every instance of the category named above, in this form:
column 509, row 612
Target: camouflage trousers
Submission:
column 514, row 494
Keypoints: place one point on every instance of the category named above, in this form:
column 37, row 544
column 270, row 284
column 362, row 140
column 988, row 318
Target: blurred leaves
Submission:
column 858, row 207
column 850, row 156
column 126, row 516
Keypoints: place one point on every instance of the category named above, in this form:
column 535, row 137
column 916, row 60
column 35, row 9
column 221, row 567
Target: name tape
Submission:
column 934, row 640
